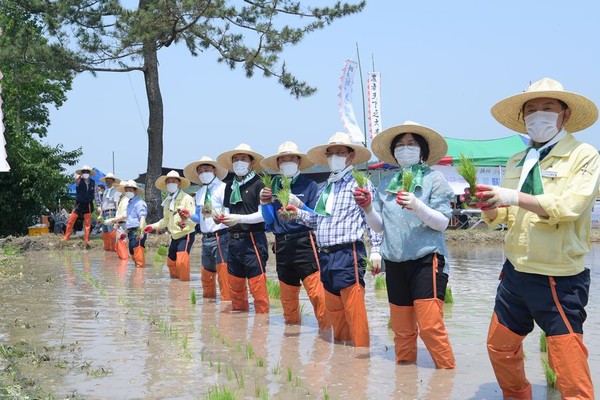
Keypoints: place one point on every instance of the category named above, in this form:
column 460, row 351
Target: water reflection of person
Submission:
column 414, row 244
column 546, row 197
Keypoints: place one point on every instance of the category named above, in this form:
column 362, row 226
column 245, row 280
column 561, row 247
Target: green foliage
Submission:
column 283, row 194
column 543, row 343
column 467, row 169
column 380, row 283
column 273, row 289
column 162, row 250
column 220, row 393
column 361, row 178
column 267, row 180
column 448, row 297
column 36, row 75
column 550, row 374
column 193, row 297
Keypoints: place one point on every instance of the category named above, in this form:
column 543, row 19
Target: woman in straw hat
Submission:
column 247, row 252
column 118, row 222
column 340, row 226
column 209, row 200
column 416, row 269
column 546, row 197
column 295, row 249
column 135, row 222
column 107, row 208
column 85, row 189
column 177, row 208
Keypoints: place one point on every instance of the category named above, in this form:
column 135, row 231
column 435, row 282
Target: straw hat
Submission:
column 85, row 168
column 112, row 176
column 130, row 183
column 583, row 111
column 190, row 170
column 317, row 154
column 225, row 158
column 286, row 149
column 161, row 182
column 383, row 141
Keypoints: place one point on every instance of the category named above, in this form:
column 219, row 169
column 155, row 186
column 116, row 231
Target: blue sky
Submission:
column 443, row 64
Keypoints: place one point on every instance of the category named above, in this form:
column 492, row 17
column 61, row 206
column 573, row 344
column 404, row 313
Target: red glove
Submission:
column 148, row 229
column 122, row 236
column 266, row 195
column 183, row 214
column 472, row 200
column 182, row 224
column 362, row 196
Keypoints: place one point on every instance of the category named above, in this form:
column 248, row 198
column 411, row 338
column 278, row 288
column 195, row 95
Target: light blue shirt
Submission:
column 405, row 236
column 136, row 209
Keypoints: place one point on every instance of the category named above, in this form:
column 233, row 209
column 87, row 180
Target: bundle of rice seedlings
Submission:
column 543, row 344
column 467, row 169
column 380, row 283
column 407, row 179
column 448, row 297
column 273, row 289
column 361, row 178
column 267, row 180
column 368, row 264
column 283, row 195
column 162, row 250
column 550, row 374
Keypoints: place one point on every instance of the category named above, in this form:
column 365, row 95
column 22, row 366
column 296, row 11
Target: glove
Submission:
column 122, row 236
column 183, row 214
column 408, row 200
column 148, row 229
column 182, row 224
column 295, row 201
column 469, row 199
column 231, row 219
column 108, row 221
column 496, row 196
column 362, row 197
column 290, row 213
column 265, row 195
column 375, row 259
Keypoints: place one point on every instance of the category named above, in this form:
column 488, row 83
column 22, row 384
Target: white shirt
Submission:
column 217, row 193
column 110, row 199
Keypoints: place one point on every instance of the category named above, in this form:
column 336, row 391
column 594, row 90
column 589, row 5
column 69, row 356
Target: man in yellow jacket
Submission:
column 177, row 208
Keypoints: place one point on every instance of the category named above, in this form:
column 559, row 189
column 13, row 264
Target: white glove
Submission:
column 295, row 201
column 496, row 196
column 410, row 201
column 108, row 221
column 375, row 259
column 232, row 219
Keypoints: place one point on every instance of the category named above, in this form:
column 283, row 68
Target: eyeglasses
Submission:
column 339, row 153
column 399, row 145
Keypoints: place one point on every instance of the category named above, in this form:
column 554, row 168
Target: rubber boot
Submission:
column 258, row 288
column 209, row 285
column 430, row 318
column 112, row 240
column 290, row 303
column 182, row 263
column 69, row 228
column 568, row 359
column 238, row 293
column 139, row 257
column 172, row 268
column 337, row 316
column 122, row 251
column 505, row 349
column 222, row 276
column 404, row 325
column 316, row 295
column 106, row 240
column 353, row 298
column 87, row 228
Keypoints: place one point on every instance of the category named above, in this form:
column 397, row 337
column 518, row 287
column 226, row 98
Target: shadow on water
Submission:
column 119, row 332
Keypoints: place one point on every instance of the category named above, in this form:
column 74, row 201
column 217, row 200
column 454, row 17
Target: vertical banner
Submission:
column 345, row 95
column 374, row 84
column 4, row 167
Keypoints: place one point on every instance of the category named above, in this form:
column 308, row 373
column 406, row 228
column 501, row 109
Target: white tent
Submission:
column 485, row 176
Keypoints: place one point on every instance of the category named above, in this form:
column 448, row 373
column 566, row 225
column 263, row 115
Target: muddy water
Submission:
column 116, row 332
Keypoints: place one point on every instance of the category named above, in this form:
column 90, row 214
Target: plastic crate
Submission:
column 38, row 230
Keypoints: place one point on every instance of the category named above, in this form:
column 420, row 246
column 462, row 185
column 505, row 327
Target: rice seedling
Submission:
column 550, row 374
column 276, row 370
column 273, row 289
column 218, row 367
column 543, row 343
column 239, row 379
column 184, row 342
column 289, row 374
column 407, row 179
column 368, row 264
column 303, row 310
column 283, row 195
column 238, row 347
column 389, row 323
column 361, row 178
column 380, row 283
column 202, row 354
column 228, row 373
column 298, row 381
column 267, row 180
column 158, row 258
column 260, row 362
column 249, row 351
column 214, row 332
column 259, row 390
column 467, row 169
column 448, row 297
column 162, row 250
column 219, row 393
column 326, row 392
column 193, row 297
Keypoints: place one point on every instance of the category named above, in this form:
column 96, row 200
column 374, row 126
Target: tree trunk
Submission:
column 155, row 130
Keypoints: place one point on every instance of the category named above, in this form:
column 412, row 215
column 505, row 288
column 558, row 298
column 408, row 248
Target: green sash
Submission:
column 418, row 171
column 533, row 181
column 236, row 195
column 320, row 207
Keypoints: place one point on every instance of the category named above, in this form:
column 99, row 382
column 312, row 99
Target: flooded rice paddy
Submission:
column 101, row 329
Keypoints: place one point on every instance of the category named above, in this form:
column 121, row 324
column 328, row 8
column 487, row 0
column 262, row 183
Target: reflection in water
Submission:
column 135, row 334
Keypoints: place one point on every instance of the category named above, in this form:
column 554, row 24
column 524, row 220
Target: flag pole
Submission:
column 362, row 89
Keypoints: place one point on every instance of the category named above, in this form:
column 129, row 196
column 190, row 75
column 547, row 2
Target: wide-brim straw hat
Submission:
column 129, row 183
column 85, row 168
column 287, row 149
column 509, row 111
column 317, row 154
column 190, row 170
column 224, row 159
column 112, row 176
column 381, row 144
column 161, row 182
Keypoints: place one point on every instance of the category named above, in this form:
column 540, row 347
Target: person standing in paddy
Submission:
column 177, row 208
column 295, row 249
column 340, row 226
column 85, row 192
column 247, row 252
column 118, row 222
column 107, row 208
column 414, row 244
column 137, row 210
column 215, row 237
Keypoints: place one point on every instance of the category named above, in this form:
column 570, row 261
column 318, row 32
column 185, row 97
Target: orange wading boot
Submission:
column 209, row 284
column 182, row 263
column 172, row 268
column 139, row 257
column 316, row 295
column 258, row 288
column 430, row 317
column 222, row 276
column 337, row 316
column 87, row 228
column 404, row 325
column 238, row 293
column 106, row 240
column 69, row 228
column 568, row 359
column 112, row 240
column 353, row 298
column 290, row 303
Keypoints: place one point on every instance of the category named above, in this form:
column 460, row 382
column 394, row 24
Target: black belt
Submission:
column 112, row 209
column 213, row 234
column 289, row 236
column 133, row 229
column 335, row 247
column 241, row 235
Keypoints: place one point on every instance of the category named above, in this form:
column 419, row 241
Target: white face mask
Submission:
column 206, row 177
column 288, row 168
column 171, row 187
column 241, row 168
column 336, row 163
column 407, row 155
column 85, row 176
column 541, row 125
column 129, row 195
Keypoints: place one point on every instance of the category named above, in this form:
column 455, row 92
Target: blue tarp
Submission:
column 96, row 178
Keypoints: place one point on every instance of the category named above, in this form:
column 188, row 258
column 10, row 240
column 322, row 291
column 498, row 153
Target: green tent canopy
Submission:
column 485, row 153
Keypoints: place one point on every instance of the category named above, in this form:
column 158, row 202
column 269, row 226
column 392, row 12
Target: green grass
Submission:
column 550, row 374
column 448, row 297
column 193, row 297
column 543, row 344
column 380, row 283
column 220, row 393
column 274, row 289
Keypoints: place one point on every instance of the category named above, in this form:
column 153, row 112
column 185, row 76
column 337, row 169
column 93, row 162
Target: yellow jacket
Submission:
column 555, row 245
column 171, row 219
